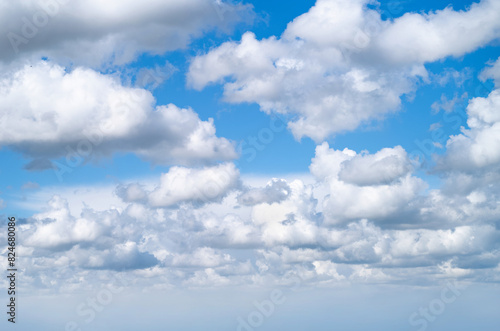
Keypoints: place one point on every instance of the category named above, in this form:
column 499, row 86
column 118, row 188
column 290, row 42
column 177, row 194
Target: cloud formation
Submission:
column 96, row 34
column 196, row 186
column 380, row 227
column 49, row 113
column 340, row 65
column 365, row 186
column 362, row 218
column 275, row 191
column 478, row 146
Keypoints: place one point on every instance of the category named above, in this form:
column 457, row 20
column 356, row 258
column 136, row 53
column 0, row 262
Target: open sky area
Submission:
column 250, row 165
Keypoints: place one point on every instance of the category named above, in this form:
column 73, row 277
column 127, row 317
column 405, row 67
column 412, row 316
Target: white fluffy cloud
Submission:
column 49, row 113
column 436, row 35
column 337, row 53
column 290, row 222
column 479, row 146
column 226, row 242
column 460, row 240
column 364, row 218
column 96, row 33
column 383, row 167
column 57, row 227
column 282, row 76
column 365, row 186
column 192, row 185
column 202, row 257
column 361, row 218
column 121, row 256
column 275, row 191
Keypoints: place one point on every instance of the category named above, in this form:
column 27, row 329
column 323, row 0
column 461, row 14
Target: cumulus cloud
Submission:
column 470, row 165
column 460, row 240
column 435, row 35
column 57, row 228
column 95, row 33
column 337, row 52
column 365, row 218
column 479, row 146
column 229, row 230
column 131, row 193
column 201, row 257
column 365, row 186
column 48, row 113
column 383, row 167
column 93, row 240
column 286, row 79
column 362, row 217
column 122, row 256
column 194, row 185
column 226, row 242
column 275, row 191
column 363, row 244
column 207, row 278
column 291, row 221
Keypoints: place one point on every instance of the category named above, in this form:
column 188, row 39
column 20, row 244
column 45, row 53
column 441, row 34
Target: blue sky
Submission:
column 206, row 148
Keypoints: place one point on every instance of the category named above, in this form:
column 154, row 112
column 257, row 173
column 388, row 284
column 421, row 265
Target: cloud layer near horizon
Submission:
column 202, row 227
